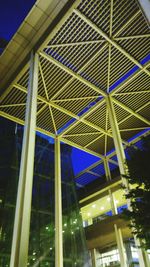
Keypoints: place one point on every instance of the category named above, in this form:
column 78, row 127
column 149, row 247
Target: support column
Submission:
column 58, row 207
column 111, row 196
column 93, row 257
column 19, row 251
column 112, row 202
column 122, row 166
column 90, row 221
column 120, row 246
column 114, row 212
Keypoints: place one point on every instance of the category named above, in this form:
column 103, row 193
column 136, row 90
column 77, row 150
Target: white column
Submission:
column 111, row 195
column 122, row 164
column 93, row 257
column 58, row 207
column 117, row 140
column 19, row 252
column 107, row 170
column 90, row 221
column 113, row 203
column 120, row 246
column 114, row 212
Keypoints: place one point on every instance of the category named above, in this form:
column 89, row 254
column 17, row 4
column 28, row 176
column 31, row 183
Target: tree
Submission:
column 139, row 192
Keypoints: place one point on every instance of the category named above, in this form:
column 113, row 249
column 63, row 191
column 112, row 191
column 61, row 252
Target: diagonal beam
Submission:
column 126, row 24
column 94, row 140
column 130, row 115
column 80, row 70
column 19, row 121
column 132, row 37
column 133, row 129
column 95, row 165
column 53, row 121
column 75, row 98
column 12, row 105
column 82, row 117
column 46, row 93
column 67, row 112
column 106, row 128
column 75, row 43
column 81, row 148
column 81, row 134
column 110, row 41
column 43, row 80
column 111, row 18
column 133, row 92
column 130, row 79
column 72, row 73
column 135, row 114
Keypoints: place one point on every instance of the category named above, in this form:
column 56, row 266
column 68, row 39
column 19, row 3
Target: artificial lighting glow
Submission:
column 102, row 208
column 94, row 205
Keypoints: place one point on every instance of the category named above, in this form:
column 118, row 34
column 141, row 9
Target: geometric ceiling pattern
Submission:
column 101, row 48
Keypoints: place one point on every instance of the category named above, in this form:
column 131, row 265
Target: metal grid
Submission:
column 101, row 48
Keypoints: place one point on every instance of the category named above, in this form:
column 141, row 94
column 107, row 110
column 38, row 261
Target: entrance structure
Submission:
column 87, row 84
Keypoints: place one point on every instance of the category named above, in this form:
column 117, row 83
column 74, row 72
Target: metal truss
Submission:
column 79, row 63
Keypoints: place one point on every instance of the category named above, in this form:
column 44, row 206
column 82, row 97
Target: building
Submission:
column 83, row 67
column 42, row 226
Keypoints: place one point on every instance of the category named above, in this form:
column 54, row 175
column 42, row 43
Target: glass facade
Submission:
column 42, row 227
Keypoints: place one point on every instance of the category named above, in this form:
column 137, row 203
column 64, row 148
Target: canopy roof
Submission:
column 97, row 48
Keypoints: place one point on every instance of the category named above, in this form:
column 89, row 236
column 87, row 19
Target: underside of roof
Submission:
column 100, row 48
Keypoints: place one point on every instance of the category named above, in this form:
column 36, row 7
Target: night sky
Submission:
column 12, row 14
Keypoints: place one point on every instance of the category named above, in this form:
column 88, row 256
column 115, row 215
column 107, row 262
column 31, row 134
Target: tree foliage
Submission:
column 139, row 193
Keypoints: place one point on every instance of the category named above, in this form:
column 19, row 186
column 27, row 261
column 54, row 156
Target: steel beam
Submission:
column 19, row 252
column 75, row 43
column 135, row 114
column 120, row 246
column 58, row 207
column 72, row 73
column 110, row 40
column 122, row 165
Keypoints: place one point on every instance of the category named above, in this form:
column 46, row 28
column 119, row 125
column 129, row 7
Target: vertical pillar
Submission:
column 113, row 203
column 121, row 161
column 107, row 170
column 114, row 212
column 58, row 207
column 117, row 140
column 90, row 221
column 93, row 257
column 111, row 196
column 19, row 251
column 120, row 246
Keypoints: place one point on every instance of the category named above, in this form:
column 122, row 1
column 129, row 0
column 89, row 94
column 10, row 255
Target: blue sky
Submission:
column 12, row 13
